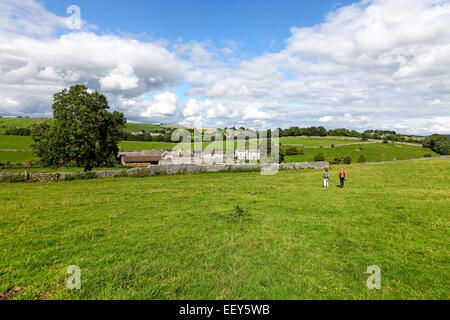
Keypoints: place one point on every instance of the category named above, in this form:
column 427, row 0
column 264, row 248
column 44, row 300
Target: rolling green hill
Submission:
column 137, row 127
column 313, row 141
column 372, row 152
column 7, row 122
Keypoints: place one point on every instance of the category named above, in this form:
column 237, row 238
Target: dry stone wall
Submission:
column 166, row 169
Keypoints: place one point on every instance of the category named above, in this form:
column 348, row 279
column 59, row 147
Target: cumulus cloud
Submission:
column 121, row 78
column 367, row 64
column 165, row 104
column 32, row 67
column 373, row 64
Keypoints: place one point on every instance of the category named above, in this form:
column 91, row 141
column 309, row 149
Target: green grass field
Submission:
column 15, row 142
column 17, row 157
column 372, row 152
column 20, row 122
column 314, row 141
column 144, row 145
column 137, row 127
column 178, row 237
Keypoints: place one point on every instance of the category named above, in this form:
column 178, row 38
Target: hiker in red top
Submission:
column 342, row 176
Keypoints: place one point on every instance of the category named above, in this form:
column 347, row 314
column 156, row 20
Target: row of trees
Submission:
column 343, row 132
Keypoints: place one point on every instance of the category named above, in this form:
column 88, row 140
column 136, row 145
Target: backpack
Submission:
column 325, row 175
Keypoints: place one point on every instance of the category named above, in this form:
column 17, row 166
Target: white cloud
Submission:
column 165, row 104
column 437, row 101
column 121, row 78
column 252, row 112
column 376, row 61
column 33, row 66
column 373, row 64
column 326, row 119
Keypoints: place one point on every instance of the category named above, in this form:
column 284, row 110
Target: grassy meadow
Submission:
column 372, row 152
column 15, row 142
column 180, row 237
column 13, row 122
column 17, row 157
column 318, row 141
column 137, row 127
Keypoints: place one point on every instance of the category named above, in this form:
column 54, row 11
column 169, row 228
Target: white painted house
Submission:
column 240, row 154
column 247, row 154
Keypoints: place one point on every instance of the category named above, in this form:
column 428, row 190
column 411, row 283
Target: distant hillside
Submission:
column 137, row 127
column 17, row 122
column 7, row 122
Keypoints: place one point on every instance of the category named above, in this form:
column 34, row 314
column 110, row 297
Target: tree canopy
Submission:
column 84, row 133
column 438, row 143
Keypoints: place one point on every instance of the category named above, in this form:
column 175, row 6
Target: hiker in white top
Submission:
column 326, row 179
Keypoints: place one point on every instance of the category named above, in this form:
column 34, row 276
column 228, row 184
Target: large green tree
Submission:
column 84, row 132
column 438, row 143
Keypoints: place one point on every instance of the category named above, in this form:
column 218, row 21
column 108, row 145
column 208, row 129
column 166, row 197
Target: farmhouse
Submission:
column 247, row 154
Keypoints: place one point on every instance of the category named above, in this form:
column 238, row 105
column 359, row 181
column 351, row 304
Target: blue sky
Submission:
column 369, row 64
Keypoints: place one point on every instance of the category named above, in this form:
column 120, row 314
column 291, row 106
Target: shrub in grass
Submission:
column 291, row 151
column 336, row 161
column 239, row 214
column 319, row 157
column 385, row 141
column 361, row 159
column 332, row 145
column 427, row 155
column 347, row 160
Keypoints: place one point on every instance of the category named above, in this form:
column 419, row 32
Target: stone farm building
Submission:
column 141, row 158
column 204, row 157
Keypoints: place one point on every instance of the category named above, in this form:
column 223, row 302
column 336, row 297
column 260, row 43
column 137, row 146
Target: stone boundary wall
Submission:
column 16, row 150
column 417, row 159
column 157, row 170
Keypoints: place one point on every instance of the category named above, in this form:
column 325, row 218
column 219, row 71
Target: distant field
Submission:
column 144, row 145
column 372, row 152
column 178, row 237
column 137, row 127
column 17, row 157
column 20, row 122
column 15, row 142
column 307, row 141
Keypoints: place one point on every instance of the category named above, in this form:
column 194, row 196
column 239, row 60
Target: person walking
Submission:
column 326, row 179
column 342, row 176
